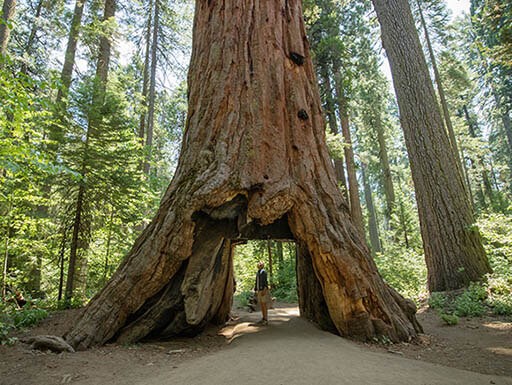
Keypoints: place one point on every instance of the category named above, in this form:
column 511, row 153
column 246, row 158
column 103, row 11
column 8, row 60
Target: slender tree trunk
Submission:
column 69, row 57
column 507, row 126
column 453, row 249
column 32, row 36
column 333, row 128
column 353, row 185
column 389, row 190
column 152, row 88
column 270, row 264
column 74, row 247
column 485, row 175
column 61, row 261
column 109, row 239
column 98, row 99
column 6, row 253
column 254, row 165
column 279, row 253
column 145, row 79
column 372, row 216
column 8, row 9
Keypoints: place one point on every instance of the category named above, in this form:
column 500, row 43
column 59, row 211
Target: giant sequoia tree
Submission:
column 254, row 164
column 453, row 249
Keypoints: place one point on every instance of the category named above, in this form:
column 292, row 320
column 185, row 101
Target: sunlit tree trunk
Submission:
column 452, row 244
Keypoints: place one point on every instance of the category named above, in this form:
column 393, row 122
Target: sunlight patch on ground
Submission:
column 501, row 351
column 498, row 325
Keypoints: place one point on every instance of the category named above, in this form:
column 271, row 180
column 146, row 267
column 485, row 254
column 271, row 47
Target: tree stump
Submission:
column 254, row 164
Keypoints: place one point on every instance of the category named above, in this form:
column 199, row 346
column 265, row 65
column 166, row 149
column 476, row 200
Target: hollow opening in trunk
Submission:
column 280, row 260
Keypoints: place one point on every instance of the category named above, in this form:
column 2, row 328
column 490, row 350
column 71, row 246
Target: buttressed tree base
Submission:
column 254, row 164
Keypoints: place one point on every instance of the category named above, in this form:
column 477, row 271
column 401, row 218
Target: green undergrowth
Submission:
column 12, row 319
column 492, row 296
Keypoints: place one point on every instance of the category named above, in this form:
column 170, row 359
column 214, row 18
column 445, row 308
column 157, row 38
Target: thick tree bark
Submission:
column 453, row 248
column 254, row 165
column 8, row 9
column 440, row 90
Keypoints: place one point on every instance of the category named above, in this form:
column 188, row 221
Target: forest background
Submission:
column 93, row 104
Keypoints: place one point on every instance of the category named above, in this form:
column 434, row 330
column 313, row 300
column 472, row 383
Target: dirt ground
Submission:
column 287, row 346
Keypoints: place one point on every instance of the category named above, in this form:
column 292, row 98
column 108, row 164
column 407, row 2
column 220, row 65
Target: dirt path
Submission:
column 289, row 351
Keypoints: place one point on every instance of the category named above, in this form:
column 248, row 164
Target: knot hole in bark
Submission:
column 302, row 114
column 297, row 58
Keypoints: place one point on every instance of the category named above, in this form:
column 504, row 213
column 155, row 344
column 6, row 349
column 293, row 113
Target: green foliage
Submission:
column 12, row 318
column 471, row 302
column 437, row 300
column 404, row 269
column 449, row 319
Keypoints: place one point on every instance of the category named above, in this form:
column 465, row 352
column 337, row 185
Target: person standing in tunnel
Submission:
column 261, row 289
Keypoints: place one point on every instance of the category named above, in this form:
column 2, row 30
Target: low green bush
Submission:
column 449, row 319
column 12, row 318
column 437, row 300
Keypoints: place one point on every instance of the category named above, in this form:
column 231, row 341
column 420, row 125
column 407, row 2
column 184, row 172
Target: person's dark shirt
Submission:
column 261, row 280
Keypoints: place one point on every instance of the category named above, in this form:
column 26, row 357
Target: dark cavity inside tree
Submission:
column 254, row 165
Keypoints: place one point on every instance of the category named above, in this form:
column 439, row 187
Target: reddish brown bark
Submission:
column 254, row 165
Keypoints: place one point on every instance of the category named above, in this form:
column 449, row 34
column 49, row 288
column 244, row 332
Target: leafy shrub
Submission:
column 404, row 269
column 468, row 305
column 437, row 300
column 502, row 306
column 449, row 319
column 12, row 318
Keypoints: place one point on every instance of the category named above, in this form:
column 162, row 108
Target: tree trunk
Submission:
column 6, row 252
column 333, row 128
column 254, row 165
column 453, row 248
column 152, row 88
column 69, row 57
column 8, row 9
column 389, row 190
column 270, row 264
column 440, row 89
column 32, row 35
column 353, row 185
column 485, row 175
column 372, row 216
column 61, row 261
column 77, row 242
column 145, row 78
